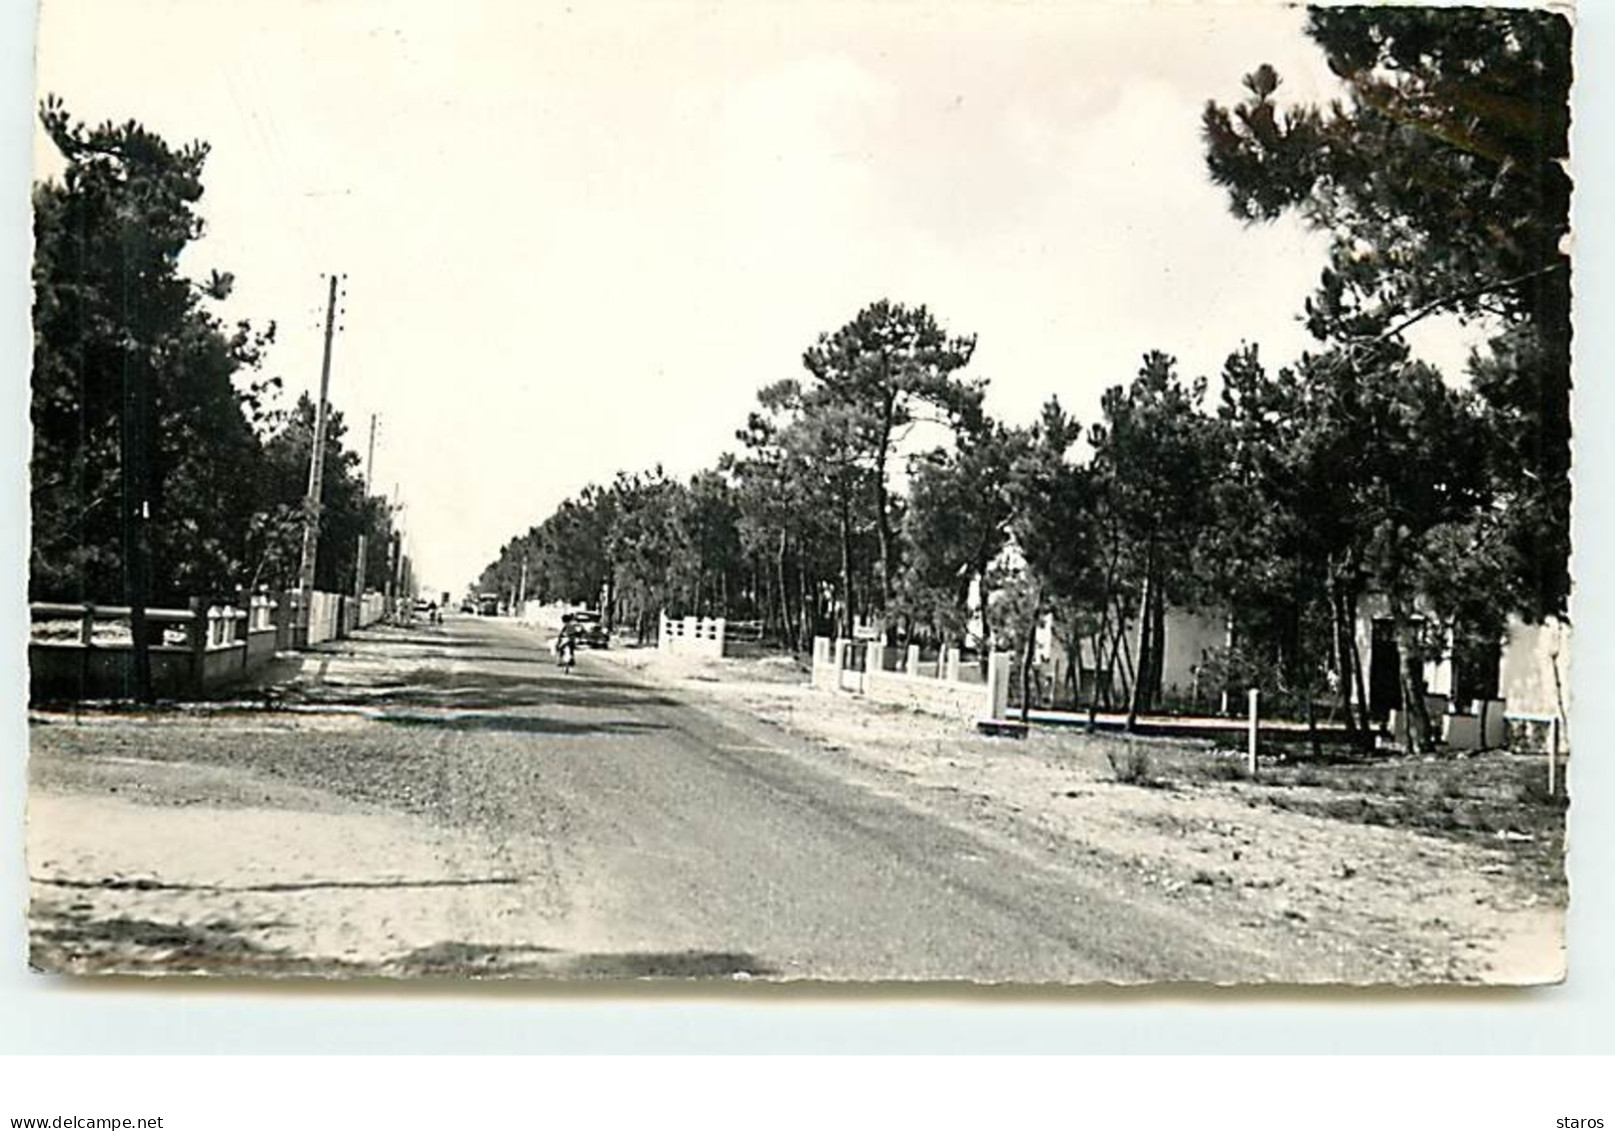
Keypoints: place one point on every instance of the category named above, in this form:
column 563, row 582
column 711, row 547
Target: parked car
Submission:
column 586, row 627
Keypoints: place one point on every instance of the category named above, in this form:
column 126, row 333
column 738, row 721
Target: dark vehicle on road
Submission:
column 586, row 628
column 488, row 604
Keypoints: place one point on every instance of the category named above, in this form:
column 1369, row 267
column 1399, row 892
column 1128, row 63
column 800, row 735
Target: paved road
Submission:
column 596, row 824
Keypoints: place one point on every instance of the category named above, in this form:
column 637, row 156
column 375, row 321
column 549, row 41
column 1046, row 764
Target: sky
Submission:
column 578, row 240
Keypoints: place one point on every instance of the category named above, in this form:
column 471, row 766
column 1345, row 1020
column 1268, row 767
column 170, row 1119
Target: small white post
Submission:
column 1553, row 756
column 998, row 685
column 1250, row 746
column 912, row 661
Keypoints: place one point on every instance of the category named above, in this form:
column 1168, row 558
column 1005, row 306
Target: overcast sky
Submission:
column 578, row 241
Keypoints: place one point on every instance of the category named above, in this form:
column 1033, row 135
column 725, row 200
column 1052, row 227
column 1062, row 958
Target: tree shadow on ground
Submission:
column 75, row 943
column 474, row 690
column 477, row 960
column 520, row 724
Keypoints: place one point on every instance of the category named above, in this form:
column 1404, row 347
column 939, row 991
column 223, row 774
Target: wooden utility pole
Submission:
column 369, row 467
column 316, row 463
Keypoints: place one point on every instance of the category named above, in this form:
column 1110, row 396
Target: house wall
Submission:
column 1535, row 678
column 1190, row 639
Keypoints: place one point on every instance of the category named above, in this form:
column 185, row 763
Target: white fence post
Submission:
column 1553, row 756
column 998, row 685
column 1255, row 712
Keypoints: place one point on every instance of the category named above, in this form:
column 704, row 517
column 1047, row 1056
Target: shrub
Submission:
column 1219, row 768
column 1134, row 768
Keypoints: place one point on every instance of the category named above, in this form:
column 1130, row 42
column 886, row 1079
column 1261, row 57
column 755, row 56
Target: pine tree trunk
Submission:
column 1348, row 665
column 808, row 624
column 882, row 525
column 1028, row 656
column 981, row 592
column 782, row 597
column 1411, row 661
column 846, row 569
column 1152, row 691
column 1137, row 701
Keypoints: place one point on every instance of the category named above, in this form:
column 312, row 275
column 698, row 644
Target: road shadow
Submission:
column 543, row 658
column 483, row 723
column 75, row 943
column 477, row 960
column 471, row 690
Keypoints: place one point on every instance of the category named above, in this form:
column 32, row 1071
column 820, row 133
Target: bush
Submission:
column 1224, row 768
column 1134, row 768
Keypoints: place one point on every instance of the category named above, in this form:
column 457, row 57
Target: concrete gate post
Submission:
column 998, row 685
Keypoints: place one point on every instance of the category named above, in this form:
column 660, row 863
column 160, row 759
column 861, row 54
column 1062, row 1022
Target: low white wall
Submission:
column 691, row 636
column 324, row 611
column 372, row 606
column 950, row 698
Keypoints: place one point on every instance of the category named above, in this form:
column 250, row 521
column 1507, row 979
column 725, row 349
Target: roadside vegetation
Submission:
column 165, row 466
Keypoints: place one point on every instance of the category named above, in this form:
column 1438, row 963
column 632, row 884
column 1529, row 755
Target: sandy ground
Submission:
column 293, row 880
column 1476, row 908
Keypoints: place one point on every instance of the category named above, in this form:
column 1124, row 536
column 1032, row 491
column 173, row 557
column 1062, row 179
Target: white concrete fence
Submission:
column 691, row 636
column 372, row 607
column 944, row 686
column 324, row 616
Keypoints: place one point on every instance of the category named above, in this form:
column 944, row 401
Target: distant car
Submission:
column 586, row 628
column 468, row 606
